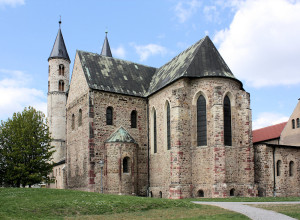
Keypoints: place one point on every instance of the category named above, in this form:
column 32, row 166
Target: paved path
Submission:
column 252, row 212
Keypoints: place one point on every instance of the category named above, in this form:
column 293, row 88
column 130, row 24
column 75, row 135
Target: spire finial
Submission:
column 106, row 31
column 59, row 21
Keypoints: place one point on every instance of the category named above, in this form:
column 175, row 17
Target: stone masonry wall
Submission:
column 187, row 168
column 122, row 107
column 286, row 184
column 120, row 182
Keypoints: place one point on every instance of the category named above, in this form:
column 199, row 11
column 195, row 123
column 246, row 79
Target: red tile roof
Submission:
column 268, row 133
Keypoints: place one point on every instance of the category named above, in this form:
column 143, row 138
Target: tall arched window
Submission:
column 201, row 121
column 109, row 116
column 73, row 122
column 278, row 166
column 154, row 132
column 61, row 69
column 126, row 165
column 133, row 119
column 291, row 168
column 227, row 122
column 293, row 124
column 61, row 86
column 168, row 127
column 79, row 117
column 298, row 123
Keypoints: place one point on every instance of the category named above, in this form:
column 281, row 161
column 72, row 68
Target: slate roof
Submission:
column 121, row 135
column 268, row 133
column 59, row 49
column 119, row 76
column 106, row 48
column 115, row 75
column 200, row 60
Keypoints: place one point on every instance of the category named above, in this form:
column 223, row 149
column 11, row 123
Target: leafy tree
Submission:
column 25, row 150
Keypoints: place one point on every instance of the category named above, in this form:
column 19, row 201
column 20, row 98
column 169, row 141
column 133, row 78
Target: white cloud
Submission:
column 119, row 52
column 144, row 51
column 262, row 45
column 185, row 9
column 17, row 94
column 265, row 119
column 12, row 3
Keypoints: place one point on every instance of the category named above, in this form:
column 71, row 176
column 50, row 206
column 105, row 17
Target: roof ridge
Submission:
column 270, row 126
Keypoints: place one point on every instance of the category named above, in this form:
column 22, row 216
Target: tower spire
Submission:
column 59, row 49
column 106, row 48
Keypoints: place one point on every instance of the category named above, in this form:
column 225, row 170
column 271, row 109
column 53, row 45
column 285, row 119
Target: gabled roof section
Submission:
column 121, row 135
column 268, row 133
column 200, row 60
column 115, row 75
column 59, row 49
column 106, row 48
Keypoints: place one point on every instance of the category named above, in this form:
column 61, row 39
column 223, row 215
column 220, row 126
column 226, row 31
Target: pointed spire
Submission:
column 59, row 49
column 106, row 48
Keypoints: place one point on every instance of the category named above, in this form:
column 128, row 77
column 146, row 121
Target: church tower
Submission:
column 58, row 85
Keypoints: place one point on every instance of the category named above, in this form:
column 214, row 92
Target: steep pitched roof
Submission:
column 268, row 133
column 200, row 60
column 115, row 75
column 59, row 49
column 106, row 48
column 121, row 135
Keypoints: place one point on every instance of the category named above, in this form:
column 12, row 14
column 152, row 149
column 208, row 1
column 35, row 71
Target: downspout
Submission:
column 274, row 173
column 148, row 161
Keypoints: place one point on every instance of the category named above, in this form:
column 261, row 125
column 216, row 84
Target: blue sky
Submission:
column 259, row 40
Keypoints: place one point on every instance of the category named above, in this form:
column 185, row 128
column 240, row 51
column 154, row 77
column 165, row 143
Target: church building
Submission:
column 178, row 131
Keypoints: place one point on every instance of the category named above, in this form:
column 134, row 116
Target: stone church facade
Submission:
column 182, row 130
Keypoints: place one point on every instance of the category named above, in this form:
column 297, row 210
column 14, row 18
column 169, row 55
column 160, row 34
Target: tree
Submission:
column 25, row 150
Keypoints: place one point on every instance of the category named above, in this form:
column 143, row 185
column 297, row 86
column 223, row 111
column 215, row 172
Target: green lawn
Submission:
column 290, row 210
column 68, row 204
column 247, row 199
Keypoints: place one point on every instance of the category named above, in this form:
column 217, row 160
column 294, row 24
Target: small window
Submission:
column 278, row 167
column 61, row 69
column 109, row 116
column 48, row 86
column 200, row 193
column 73, row 122
column 133, row 119
column 291, row 168
column 79, row 118
column 298, row 123
column 126, row 163
column 61, row 86
column 231, row 193
column 293, row 124
column 168, row 127
column 154, row 132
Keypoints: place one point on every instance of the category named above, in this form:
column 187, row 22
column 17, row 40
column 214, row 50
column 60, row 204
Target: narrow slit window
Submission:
column 201, row 121
column 227, row 122
column 61, row 70
column 109, row 116
column 133, row 119
column 291, row 168
column 73, row 122
column 154, row 132
column 126, row 163
column 168, row 127
column 79, row 118
column 293, row 124
column 61, row 86
column 298, row 123
column 278, row 167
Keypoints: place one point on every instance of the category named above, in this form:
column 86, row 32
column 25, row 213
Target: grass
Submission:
column 68, row 204
column 292, row 210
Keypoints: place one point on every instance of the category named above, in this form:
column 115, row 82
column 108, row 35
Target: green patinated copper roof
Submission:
column 121, row 135
column 114, row 75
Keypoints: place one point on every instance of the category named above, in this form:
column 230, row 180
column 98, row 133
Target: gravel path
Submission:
column 252, row 212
